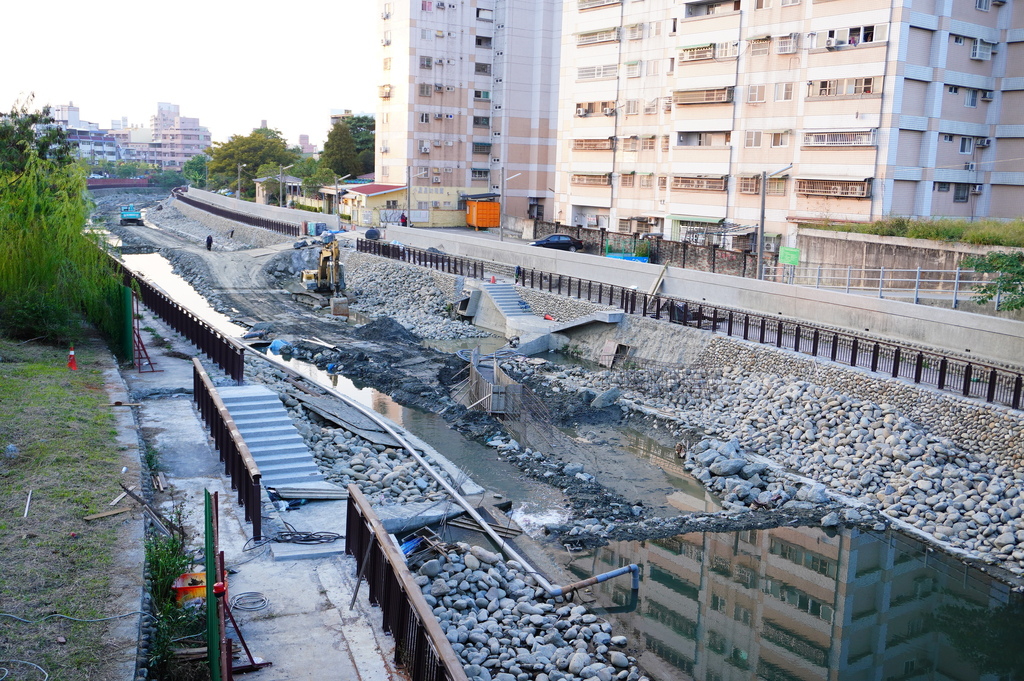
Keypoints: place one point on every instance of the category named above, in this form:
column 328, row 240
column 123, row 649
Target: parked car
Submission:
column 562, row 242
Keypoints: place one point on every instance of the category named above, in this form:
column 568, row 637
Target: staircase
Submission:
column 268, row 431
column 507, row 300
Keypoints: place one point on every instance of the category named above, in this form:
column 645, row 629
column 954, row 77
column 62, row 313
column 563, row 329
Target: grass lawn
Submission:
column 53, row 560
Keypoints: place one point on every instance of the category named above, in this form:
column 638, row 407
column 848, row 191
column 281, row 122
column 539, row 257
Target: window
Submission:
column 391, row 204
column 862, row 86
column 635, row 32
column 684, row 97
column 631, row 107
column 630, row 144
column 605, row 35
column 647, row 143
column 780, row 139
column 941, row 186
column 483, row 41
column 759, row 48
column 855, row 35
column 981, row 50
column 727, row 49
column 652, row 67
column 953, row 89
column 427, row 5
column 958, row 40
column 741, row 614
column 697, row 53
column 785, row 44
column 864, row 138
column 664, row 142
column 762, row 4
column 966, row 145
column 717, row 602
column 481, row 147
column 673, row 25
column 425, row 89
column 749, row 185
column 484, row 14
column 825, row 88
column 777, row 186
column 633, row 69
column 983, row 5
column 480, row 174
column 848, row 188
column 961, row 192
column 598, row 179
column 424, row 118
column 626, row 180
column 646, row 181
column 481, row 121
column 662, row 182
column 651, row 107
column 755, row 93
column 971, row 98
column 426, row 62
column 714, row 184
column 482, row 69
column 947, row 138
column 787, row 3
column 752, row 139
column 595, row 72
column 671, row 66
column 482, row 94
column 386, row 39
column 783, row 92
column 387, row 63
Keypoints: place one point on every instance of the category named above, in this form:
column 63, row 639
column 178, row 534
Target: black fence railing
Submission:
column 932, row 369
column 238, row 462
column 420, row 645
column 279, row 226
column 225, row 353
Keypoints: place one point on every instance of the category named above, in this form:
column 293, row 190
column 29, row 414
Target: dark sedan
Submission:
column 562, row 242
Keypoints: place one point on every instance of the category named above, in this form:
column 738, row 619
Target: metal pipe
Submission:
column 597, row 579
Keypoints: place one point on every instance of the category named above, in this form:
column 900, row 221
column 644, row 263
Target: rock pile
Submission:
column 504, row 627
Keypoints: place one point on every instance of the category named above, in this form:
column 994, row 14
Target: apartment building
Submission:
column 92, row 144
column 672, row 112
column 467, row 104
column 177, row 138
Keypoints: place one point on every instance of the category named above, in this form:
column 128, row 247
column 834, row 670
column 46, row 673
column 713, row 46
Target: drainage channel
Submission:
column 783, row 603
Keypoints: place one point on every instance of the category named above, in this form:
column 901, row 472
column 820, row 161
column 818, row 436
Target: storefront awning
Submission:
column 695, row 47
column 696, row 218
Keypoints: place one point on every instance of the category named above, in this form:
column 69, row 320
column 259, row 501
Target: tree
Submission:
column 312, row 184
column 366, row 160
column 339, row 154
column 363, row 129
column 128, row 169
column 168, row 178
column 50, row 272
column 1009, row 282
column 260, row 147
column 194, row 170
column 305, row 167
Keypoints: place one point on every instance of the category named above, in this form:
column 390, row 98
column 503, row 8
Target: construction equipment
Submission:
column 329, row 276
column 130, row 216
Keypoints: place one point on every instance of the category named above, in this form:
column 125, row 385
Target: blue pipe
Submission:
column 597, row 579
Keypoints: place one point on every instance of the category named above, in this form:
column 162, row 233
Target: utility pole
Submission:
column 238, row 186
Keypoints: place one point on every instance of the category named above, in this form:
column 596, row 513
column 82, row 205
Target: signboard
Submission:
column 789, row 256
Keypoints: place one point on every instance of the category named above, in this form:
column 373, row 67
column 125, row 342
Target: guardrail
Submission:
column 288, row 228
column 224, row 352
column 950, row 374
column 238, row 462
column 420, row 645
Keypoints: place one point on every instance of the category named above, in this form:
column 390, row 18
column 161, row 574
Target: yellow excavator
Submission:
column 329, row 276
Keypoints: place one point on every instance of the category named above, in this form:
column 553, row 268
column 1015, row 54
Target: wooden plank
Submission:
column 120, row 496
column 104, row 514
column 163, row 481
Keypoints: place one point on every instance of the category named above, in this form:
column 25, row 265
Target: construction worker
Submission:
column 209, row 242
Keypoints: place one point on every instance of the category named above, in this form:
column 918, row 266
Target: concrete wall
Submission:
column 263, row 211
column 842, row 249
column 981, row 336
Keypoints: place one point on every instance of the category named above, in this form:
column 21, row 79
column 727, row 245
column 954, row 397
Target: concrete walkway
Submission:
column 308, row 630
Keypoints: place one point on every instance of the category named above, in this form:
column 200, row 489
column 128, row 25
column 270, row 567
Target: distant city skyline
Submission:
column 111, row 62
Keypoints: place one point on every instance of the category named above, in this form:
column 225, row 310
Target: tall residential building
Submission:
column 91, row 143
column 468, row 95
column 178, row 138
column 670, row 111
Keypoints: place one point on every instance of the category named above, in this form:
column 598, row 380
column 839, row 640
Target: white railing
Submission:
column 864, row 138
column 914, row 284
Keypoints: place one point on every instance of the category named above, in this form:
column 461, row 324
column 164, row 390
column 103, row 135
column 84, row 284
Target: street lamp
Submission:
column 238, row 186
column 337, row 199
column 760, row 226
column 409, row 177
column 280, row 184
column 501, row 204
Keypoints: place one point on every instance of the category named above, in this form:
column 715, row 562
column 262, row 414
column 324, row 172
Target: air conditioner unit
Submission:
column 495, row 160
column 969, row 165
column 439, row 61
column 385, row 15
column 831, row 43
column 449, row 143
column 424, row 150
column 977, row 189
column 435, row 170
column 769, row 246
column 449, row 88
column 439, row 116
column 983, row 142
column 448, row 170
column 998, row 2
column 385, row 42
column 437, row 143
column 384, row 149
column 987, row 95
column 609, row 111
column 449, row 115
column 436, row 179
column 451, row 61
column 581, row 113
column 438, row 87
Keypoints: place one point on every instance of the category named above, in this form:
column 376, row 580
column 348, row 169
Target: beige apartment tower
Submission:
column 467, row 104
column 671, row 112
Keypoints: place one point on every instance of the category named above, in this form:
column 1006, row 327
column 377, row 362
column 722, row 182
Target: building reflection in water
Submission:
column 803, row 603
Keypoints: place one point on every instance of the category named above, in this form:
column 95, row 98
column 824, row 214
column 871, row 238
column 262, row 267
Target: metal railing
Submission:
column 279, row 226
column 238, row 462
column 909, row 284
column 420, row 645
column 452, row 264
column 933, row 369
column 224, row 352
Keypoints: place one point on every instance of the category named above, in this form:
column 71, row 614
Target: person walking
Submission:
column 403, row 220
column 209, row 242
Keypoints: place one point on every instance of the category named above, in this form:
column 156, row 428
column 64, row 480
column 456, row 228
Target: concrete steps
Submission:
column 507, row 300
column 270, row 435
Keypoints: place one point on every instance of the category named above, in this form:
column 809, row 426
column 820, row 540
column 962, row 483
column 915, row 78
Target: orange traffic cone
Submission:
column 72, row 364
column 494, row 280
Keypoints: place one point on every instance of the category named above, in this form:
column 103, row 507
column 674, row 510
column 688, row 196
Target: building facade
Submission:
column 672, row 112
column 467, row 103
column 93, row 145
column 177, row 138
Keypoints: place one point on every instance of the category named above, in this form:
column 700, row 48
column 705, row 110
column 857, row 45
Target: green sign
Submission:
column 789, row 256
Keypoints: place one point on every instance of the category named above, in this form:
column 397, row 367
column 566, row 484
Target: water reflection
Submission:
column 801, row 603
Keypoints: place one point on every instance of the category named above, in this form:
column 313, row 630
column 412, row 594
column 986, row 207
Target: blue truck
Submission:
column 130, row 216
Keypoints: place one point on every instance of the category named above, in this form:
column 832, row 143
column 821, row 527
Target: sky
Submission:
column 230, row 64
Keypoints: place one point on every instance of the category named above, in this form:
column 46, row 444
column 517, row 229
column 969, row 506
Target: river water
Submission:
column 783, row 604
